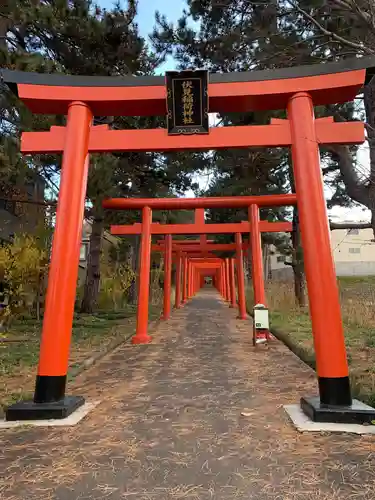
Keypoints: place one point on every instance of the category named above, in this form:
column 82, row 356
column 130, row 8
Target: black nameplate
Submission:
column 187, row 102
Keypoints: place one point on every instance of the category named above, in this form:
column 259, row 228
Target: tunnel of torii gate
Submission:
column 296, row 90
column 186, row 250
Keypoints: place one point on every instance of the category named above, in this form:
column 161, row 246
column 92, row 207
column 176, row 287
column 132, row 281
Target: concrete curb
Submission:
column 308, row 359
column 286, row 339
column 300, row 352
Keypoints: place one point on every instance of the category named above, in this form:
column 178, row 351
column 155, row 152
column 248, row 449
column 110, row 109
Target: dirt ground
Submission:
column 197, row 414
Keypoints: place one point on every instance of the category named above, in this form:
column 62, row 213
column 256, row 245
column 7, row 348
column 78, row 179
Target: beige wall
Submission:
column 349, row 245
column 353, row 252
column 278, row 270
column 277, row 260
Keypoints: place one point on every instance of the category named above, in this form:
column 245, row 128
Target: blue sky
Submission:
column 172, row 9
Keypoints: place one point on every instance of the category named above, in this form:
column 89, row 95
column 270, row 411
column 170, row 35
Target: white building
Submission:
column 353, row 251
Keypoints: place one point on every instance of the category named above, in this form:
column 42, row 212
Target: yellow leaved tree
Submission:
column 23, row 265
column 115, row 280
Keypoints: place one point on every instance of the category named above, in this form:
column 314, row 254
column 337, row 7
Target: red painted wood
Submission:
column 223, row 97
column 274, row 135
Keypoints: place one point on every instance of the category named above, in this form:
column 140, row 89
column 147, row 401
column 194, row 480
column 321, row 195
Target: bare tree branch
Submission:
column 351, row 6
column 357, row 191
column 359, row 47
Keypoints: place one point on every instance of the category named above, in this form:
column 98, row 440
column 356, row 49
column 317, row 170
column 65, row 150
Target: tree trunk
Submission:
column 297, row 262
column 134, row 264
column 369, row 102
column 247, row 264
column 39, row 296
column 91, row 289
column 297, row 251
column 357, row 189
column 266, row 261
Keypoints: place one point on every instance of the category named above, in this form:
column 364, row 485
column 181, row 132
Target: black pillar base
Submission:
column 29, row 410
column 356, row 413
column 49, row 388
column 335, row 391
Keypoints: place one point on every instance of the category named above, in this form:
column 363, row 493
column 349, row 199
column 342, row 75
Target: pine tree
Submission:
column 76, row 37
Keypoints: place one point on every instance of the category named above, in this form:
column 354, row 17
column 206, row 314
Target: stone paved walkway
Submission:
column 170, row 425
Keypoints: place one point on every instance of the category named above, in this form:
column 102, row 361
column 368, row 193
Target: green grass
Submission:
column 90, row 334
column 354, row 280
column 357, row 296
column 17, row 354
column 360, row 344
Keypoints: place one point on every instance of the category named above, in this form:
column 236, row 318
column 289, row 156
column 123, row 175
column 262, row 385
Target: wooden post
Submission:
column 63, row 274
column 49, row 395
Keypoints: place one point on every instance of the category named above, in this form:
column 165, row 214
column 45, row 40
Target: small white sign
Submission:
column 261, row 319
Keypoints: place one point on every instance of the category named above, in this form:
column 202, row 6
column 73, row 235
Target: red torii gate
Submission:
column 194, row 248
column 297, row 90
column 212, row 266
column 190, row 252
column 254, row 227
column 223, row 273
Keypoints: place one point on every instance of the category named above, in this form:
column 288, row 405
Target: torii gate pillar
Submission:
column 141, row 335
column 240, row 278
column 49, row 396
column 233, row 298
column 184, row 278
column 256, row 257
column 331, row 362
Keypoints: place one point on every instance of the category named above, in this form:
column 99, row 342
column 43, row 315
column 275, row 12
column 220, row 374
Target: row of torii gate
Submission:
column 296, row 91
column 196, row 259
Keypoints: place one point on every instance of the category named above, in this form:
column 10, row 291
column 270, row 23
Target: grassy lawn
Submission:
column 19, row 347
column 357, row 304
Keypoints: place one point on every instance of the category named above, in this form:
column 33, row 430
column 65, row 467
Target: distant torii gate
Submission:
column 222, row 272
column 254, row 227
column 183, row 248
column 295, row 89
column 194, row 248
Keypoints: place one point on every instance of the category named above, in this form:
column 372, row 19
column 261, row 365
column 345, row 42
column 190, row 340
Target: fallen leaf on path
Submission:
column 246, row 413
